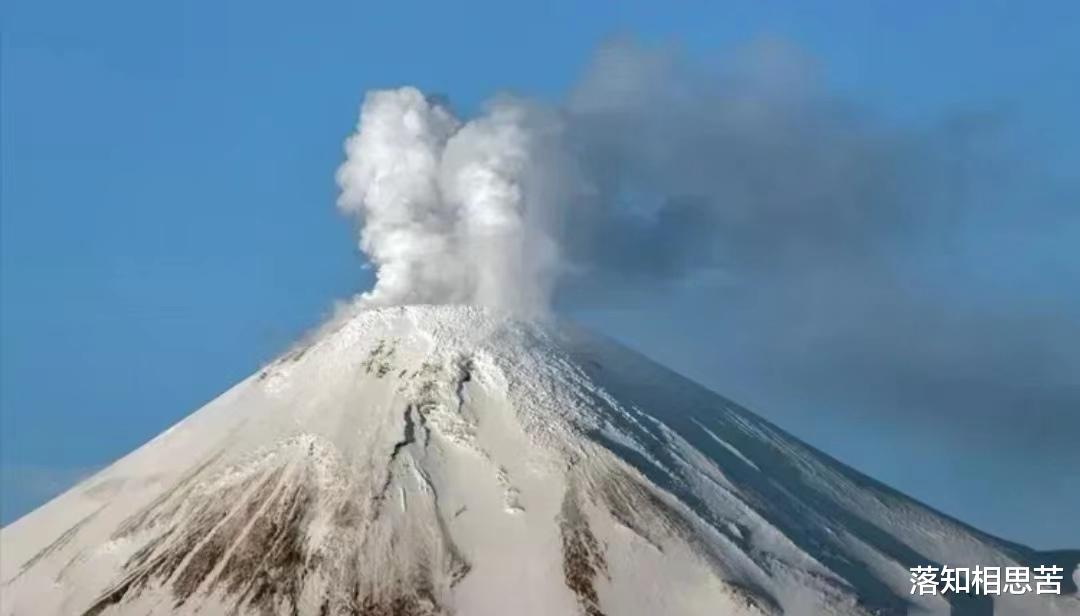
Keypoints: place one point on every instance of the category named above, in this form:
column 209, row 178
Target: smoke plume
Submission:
column 453, row 211
column 649, row 170
column 919, row 268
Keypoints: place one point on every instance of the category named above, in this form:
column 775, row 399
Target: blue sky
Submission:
column 168, row 220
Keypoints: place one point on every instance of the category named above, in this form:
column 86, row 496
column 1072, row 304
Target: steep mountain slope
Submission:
column 438, row 460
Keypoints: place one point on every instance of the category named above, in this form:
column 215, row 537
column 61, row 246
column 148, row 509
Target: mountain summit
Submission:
column 445, row 460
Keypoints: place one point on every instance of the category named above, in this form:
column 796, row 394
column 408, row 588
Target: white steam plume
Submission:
column 454, row 212
column 650, row 171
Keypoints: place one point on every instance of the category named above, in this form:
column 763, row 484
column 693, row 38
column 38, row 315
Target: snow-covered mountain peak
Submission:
column 452, row 460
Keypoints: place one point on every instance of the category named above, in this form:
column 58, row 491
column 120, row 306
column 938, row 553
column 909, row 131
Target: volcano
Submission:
column 430, row 460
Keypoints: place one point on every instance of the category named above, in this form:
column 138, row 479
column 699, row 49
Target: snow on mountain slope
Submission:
column 438, row 460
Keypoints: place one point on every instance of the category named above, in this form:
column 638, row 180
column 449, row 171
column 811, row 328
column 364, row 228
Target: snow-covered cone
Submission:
column 444, row 460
